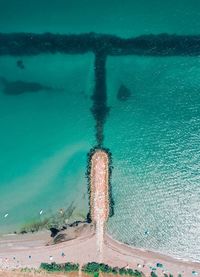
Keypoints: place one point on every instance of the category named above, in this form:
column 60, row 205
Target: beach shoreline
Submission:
column 29, row 250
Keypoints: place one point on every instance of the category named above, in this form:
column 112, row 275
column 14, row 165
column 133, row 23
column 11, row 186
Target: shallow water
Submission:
column 43, row 140
column 153, row 136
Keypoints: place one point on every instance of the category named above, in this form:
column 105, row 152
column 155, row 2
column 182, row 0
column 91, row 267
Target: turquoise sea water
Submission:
column 153, row 136
column 156, row 153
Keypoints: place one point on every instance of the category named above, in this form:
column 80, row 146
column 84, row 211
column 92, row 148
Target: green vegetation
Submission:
column 93, row 267
column 90, row 268
column 153, row 274
column 30, row 270
column 53, row 267
column 71, row 267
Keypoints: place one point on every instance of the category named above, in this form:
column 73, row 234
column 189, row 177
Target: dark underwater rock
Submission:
column 20, row 87
column 20, row 64
column 123, row 93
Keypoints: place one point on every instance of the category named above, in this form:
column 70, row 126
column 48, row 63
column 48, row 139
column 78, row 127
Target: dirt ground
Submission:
column 37, row 274
column 19, row 273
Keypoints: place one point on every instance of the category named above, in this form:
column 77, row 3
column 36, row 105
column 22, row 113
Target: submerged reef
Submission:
column 102, row 45
column 25, row 44
column 99, row 97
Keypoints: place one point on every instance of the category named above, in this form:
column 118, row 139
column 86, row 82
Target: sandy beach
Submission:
column 29, row 250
